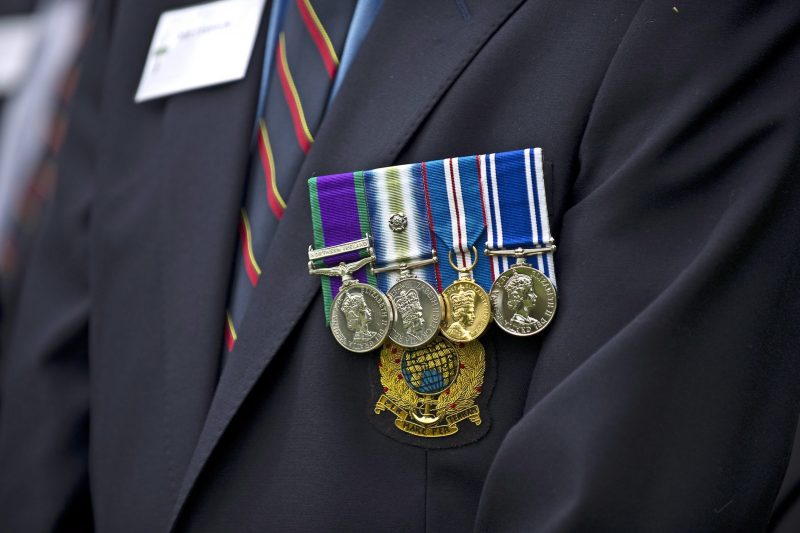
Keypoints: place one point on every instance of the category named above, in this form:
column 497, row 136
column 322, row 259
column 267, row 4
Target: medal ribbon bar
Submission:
column 339, row 217
column 399, row 223
column 453, row 193
column 515, row 209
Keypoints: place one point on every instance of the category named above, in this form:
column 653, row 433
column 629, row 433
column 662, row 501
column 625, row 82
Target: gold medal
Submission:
column 467, row 306
column 432, row 389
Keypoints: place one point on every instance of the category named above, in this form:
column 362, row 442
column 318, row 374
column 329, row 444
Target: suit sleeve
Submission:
column 44, row 410
column 665, row 395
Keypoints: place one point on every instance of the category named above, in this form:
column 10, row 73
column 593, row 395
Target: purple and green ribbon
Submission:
column 339, row 215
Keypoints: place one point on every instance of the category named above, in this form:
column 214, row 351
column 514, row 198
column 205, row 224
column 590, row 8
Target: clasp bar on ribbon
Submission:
column 405, row 267
column 339, row 249
column 522, row 253
column 343, row 270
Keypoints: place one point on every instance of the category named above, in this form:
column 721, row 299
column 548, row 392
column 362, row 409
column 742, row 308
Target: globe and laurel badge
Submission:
column 430, row 390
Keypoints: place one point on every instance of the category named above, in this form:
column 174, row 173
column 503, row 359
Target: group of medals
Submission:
column 379, row 240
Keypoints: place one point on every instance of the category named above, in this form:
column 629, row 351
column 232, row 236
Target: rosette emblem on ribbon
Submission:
column 404, row 256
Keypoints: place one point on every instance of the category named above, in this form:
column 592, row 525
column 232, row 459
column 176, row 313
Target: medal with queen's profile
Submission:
column 467, row 306
column 418, row 312
column 523, row 300
column 467, row 311
column 360, row 317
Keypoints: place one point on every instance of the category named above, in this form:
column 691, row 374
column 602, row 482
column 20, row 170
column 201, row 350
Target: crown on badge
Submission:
column 463, row 299
column 408, row 301
column 518, row 280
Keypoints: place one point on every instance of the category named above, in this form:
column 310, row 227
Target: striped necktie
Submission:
column 303, row 70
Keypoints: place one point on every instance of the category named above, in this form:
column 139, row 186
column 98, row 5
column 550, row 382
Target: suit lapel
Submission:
column 204, row 157
column 413, row 53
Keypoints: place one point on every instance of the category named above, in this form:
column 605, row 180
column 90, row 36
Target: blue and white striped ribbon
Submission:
column 515, row 208
column 395, row 190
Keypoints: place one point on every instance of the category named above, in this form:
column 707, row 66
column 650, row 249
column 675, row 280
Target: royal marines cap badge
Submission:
column 430, row 390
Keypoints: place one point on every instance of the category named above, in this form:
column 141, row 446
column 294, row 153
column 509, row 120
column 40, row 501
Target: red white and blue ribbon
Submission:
column 453, row 191
column 496, row 201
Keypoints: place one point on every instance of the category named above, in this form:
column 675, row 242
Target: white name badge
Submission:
column 18, row 38
column 200, row 46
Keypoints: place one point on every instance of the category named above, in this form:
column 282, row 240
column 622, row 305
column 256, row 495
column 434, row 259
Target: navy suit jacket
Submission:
column 663, row 397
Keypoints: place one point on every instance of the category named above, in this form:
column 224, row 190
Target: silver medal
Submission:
column 360, row 317
column 418, row 312
column 523, row 299
column 417, row 305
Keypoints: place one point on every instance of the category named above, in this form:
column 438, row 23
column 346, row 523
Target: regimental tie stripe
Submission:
column 319, row 36
column 246, row 238
column 301, row 131
column 273, row 160
column 230, row 332
column 274, row 198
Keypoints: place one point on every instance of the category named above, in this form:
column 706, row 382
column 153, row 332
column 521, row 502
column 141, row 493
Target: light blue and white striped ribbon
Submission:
column 398, row 190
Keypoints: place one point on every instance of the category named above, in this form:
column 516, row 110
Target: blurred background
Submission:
column 40, row 48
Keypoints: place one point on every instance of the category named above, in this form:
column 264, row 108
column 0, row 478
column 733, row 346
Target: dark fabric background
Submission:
column 663, row 397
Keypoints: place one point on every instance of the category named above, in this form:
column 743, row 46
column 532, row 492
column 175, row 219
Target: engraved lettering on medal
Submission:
column 360, row 318
column 523, row 300
column 418, row 312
